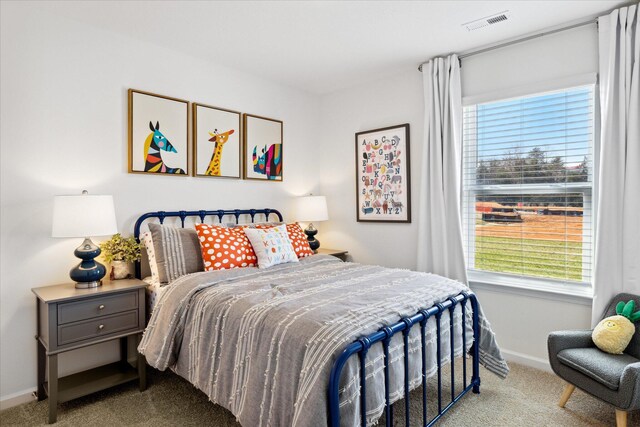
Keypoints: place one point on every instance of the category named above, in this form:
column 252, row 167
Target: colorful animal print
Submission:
column 219, row 139
column 381, row 176
column 269, row 163
column 396, row 205
column 155, row 143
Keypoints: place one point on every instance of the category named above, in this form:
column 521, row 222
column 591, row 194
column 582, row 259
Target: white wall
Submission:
column 522, row 322
column 64, row 129
column 387, row 102
column 547, row 58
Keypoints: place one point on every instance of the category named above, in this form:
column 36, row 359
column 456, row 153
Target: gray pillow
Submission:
column 177, row 251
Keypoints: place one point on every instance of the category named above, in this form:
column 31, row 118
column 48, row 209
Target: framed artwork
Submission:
column 216, row 142
column 383, row 176
column 262, row 148
column 158, row 134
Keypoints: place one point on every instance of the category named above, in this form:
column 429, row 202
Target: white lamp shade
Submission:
column 83, row 216
column 312, row 208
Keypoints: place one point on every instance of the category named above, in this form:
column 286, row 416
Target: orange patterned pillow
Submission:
column 297, row 237
column 224, row 248
column 299, row 240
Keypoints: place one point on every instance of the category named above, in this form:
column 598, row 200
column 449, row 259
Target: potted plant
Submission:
column 120, row 252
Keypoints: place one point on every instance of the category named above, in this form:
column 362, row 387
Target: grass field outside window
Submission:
column 529, row 257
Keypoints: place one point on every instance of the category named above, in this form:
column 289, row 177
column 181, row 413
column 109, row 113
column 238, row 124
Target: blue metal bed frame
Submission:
column 384, row 335
column 362, row 345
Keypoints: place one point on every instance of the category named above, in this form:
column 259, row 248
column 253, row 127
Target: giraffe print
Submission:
column 155, row 143
column 219, row 139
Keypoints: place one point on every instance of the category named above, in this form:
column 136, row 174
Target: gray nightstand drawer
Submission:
column 89, row 308
column 102, row 326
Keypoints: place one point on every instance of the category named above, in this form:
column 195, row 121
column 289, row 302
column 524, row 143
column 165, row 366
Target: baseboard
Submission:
column 527, row 360
column 15, row 399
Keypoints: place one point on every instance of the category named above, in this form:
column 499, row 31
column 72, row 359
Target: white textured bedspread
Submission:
column 261, row 343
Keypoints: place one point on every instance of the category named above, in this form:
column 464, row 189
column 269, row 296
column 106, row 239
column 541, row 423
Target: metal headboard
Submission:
column 220, row 213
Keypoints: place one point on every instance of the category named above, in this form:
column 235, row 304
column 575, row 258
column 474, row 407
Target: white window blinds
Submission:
column 527, row 185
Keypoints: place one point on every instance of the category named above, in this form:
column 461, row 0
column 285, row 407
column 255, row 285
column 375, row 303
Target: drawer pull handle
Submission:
column 101, row 327
column 101, row 307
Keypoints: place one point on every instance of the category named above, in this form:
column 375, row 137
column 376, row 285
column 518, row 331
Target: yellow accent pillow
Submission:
column 613, row 334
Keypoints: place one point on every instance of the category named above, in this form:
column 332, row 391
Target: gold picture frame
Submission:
column 263, row 138
column 225, row 132
column 161, row 152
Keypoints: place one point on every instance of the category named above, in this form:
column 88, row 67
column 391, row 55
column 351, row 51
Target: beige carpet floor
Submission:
column 528, row 397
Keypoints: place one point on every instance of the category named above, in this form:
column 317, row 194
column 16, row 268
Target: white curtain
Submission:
column 440, row 248
column 617, row 267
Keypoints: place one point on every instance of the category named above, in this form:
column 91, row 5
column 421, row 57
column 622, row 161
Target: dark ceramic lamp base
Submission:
column 89, row 273
column 314, row 243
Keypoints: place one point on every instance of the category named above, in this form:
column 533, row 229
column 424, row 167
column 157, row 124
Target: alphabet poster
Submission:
column 383, row 175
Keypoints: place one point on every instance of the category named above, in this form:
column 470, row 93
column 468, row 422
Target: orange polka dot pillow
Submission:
column 224, row 248
column 298, row 239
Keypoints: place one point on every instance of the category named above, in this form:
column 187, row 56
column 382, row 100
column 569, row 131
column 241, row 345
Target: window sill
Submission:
column 535, row 288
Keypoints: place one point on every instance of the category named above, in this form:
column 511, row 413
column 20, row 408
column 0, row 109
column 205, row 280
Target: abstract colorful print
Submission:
column 219, row 140
column 155, row 143
column 269, row 163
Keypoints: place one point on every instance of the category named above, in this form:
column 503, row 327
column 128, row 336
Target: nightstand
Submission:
column 70, row 318
column 338, row 253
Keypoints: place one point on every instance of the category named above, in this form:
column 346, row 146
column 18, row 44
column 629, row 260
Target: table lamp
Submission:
column 312, row 208
column 84, row 216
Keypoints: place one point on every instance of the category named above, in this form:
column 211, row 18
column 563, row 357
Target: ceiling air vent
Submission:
column 487, row 20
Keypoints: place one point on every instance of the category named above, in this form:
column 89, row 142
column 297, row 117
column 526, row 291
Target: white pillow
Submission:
column 147, row 241
column 271, row 245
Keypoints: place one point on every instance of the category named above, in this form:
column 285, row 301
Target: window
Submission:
column 527, row 188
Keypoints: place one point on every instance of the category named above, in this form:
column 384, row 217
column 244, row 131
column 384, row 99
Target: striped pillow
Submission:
column 177, row 252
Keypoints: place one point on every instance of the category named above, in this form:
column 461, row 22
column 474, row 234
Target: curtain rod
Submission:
column 523, row 39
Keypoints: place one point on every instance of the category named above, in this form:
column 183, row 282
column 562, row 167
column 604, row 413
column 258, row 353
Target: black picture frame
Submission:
column 383, row 175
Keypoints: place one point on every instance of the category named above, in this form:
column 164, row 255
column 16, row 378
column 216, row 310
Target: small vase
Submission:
column 119, row 270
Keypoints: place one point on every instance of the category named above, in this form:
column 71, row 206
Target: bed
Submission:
column 317, row 342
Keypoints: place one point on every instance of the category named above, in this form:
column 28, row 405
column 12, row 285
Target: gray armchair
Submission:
column 612, row 378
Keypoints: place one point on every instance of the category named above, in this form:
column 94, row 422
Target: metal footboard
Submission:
column 362, row 345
